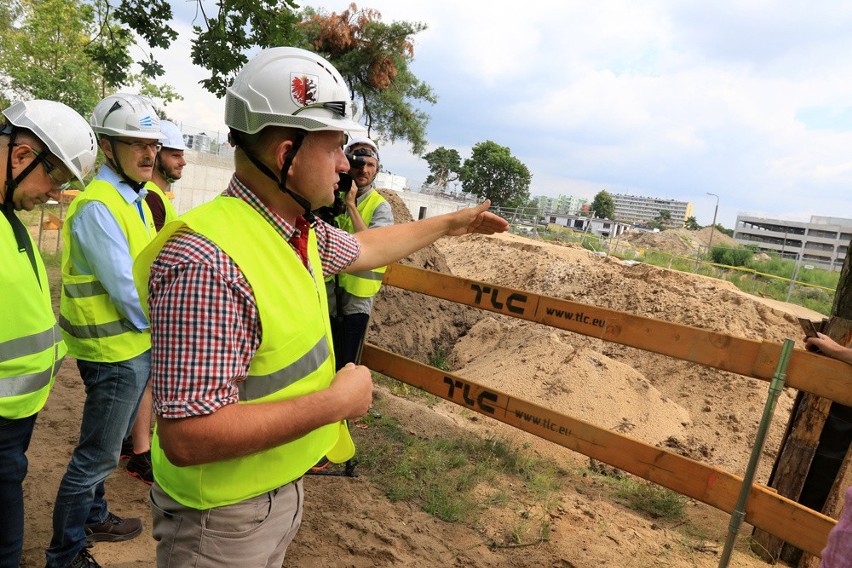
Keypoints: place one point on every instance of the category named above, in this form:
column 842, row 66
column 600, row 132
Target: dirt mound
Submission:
column 679, row 241
column 528, row 362
column 723, row 408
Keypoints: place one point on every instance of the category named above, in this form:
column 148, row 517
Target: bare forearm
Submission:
column 381, row 246
column 242, row 429
column 384, row 245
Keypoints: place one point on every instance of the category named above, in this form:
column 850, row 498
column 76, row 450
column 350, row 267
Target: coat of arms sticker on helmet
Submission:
column 303, row 88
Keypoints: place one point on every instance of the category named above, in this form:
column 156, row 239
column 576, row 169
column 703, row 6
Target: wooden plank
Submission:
column 806, row 371
column 790, row 521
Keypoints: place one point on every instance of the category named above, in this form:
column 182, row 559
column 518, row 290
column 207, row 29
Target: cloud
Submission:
column 749, row 100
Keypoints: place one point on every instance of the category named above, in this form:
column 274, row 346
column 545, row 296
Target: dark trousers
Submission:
column 348, row 334
column 15, row 438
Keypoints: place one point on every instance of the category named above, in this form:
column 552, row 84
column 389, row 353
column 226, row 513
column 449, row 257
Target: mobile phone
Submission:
column 808, row 327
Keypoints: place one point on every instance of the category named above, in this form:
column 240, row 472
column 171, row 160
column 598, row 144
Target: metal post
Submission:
column 795, row 271
column 737, row 516
column 713, row 226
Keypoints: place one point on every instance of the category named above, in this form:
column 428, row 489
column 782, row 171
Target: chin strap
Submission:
column 116, row 166
column 280, row 180
column 22, row 236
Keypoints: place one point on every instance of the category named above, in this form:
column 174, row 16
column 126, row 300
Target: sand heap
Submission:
column 679, row 241
column 528, row 362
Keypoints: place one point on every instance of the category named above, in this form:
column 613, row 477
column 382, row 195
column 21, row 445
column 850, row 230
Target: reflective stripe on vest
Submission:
column 260, row 386
column 367, row 283
column 294, row 357
column 31, row 346
column 92, row 325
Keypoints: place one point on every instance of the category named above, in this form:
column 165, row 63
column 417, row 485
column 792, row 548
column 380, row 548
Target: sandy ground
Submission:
column 712, row 414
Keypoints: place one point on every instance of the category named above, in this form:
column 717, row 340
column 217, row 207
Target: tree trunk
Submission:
column 805, row 431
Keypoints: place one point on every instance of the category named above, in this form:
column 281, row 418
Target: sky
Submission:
column 748, row 100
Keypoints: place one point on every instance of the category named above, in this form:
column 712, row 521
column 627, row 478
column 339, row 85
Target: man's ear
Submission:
column 21, row 155
column 106, row 147
column 283, row 148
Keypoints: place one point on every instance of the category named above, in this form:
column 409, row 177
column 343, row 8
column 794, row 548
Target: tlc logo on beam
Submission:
column 515, row 302
column 480, row 401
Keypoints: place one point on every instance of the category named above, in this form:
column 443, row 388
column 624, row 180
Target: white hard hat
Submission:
column 123, row 114
column 65, row 133
column 288, row 86
column 361, row 141
column 171, row 136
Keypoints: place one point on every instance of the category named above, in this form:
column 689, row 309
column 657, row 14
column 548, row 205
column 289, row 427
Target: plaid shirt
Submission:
column 205, row 326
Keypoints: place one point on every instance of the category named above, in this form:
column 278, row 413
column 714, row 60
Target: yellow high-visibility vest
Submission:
column 365, row 283
column 31, row 346
column 294, row 358
column 93, row 327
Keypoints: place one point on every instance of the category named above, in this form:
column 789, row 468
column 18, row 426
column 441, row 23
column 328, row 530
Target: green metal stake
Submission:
column 775, row 387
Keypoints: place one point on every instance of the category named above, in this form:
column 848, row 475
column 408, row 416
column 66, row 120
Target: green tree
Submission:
column 225, row 37
column 603, row 205
column 444, row 166
column 44, row 55
column 374, row 59
column 692, row 223
column 492, row 172
column 68, row 51
column 663, row 218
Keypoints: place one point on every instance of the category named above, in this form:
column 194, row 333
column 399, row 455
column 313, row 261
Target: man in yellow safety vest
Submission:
column 245, row 390
column 44, row 145
column 104, row 325
column 351, row 294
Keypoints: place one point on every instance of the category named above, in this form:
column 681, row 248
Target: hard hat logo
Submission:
column 303, row 88
column 146, row 122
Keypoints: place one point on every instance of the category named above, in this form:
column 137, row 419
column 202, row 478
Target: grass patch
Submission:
column 442, row 475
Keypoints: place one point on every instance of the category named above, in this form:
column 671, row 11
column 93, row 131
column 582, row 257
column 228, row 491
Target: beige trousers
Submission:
column 254, row 533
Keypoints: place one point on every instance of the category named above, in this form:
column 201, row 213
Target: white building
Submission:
column 600, row 227
column 822, row 240
column 638, row 209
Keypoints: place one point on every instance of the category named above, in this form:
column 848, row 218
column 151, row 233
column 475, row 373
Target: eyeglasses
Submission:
column 54, row 172
column 140, row 147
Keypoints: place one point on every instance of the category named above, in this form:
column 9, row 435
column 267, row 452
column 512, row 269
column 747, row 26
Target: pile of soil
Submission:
column 700, row 412
column 679, row 241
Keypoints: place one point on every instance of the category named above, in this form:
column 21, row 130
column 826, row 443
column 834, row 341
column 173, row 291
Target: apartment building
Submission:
column 639, row 209
column 822, row 241
column 564, row 204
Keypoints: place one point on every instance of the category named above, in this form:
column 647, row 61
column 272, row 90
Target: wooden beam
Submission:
column 766, row 509
column 806, row 371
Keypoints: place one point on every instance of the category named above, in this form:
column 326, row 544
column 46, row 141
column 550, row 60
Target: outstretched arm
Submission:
column 383, row 245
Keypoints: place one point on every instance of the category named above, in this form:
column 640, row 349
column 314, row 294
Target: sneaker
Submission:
column 139, row 465
column 113, row 529
column 84, row 560
column 126, row 448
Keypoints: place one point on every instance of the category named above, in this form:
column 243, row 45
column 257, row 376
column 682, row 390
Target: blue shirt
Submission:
column 102, row 249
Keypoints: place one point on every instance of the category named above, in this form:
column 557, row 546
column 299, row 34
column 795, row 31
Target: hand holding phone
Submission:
column 810, row 331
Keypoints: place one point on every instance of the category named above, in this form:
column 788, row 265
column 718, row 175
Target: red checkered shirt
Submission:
column 205, row 327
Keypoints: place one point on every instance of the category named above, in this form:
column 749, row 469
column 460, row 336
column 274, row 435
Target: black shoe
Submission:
column 84, row 560
column 113, row 529
column 139, row 465
column 126, row 448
